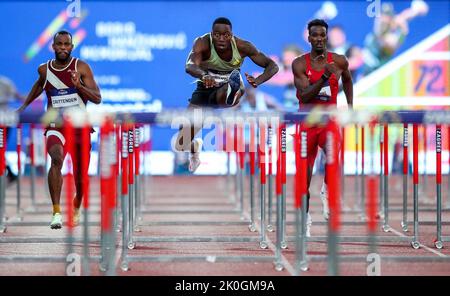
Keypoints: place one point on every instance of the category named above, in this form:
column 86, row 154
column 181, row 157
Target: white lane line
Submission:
column 422, row 246
column 272, row 246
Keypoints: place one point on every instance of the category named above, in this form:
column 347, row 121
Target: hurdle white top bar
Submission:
column 314, row 116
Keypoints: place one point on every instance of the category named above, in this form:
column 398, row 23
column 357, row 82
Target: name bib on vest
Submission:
column 63, row 98
column 220, row 77
column 325, row 94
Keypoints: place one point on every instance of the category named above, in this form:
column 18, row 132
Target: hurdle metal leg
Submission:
column 252, row 226
column 362, row 179
column 125, row 232
column 332, row 253
column 3, row 227
column 229, row 178
column 142, row 191
column 130, row 242
column 371, row 202
column 118, row 203
column 424, row 176
column 448, row 173
column 104, row 257
column 270, row 205
column 110, row 241
column 236, row 183
column 283, row 217
column 69, row 248
column 278, row 262
column 342, row 151
column 258, row 200
column 415, row 243
column 241, row 193
column 103, row 251
column 404, row 222
column 448, row 189
column 357, row 204
column 386, row 227
column 33, row 187
column 263, row 242
column 381, row 205
column 86, row 259
column 448, row 184
column 300, row 222
column 18, row 198
column 438, row 243
column 363, row 196
column 270, row 180
column 137, row 204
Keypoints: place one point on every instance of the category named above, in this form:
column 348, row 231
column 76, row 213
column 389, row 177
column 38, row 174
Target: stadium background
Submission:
column 138, row 49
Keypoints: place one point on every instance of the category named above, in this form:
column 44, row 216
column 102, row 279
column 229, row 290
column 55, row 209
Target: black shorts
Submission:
column 205, row 97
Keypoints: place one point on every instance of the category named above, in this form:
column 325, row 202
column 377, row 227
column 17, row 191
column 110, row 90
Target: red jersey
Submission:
column 329, row 91
column 61, row 92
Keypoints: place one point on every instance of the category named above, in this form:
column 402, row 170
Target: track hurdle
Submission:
column 3, row 227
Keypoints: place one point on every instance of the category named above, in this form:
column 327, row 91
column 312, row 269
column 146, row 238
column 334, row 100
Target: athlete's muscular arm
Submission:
column 194, row 60
column 260, row 59
column 36, row 90
column 347, row 82
column 306, row 91
column 85, row 83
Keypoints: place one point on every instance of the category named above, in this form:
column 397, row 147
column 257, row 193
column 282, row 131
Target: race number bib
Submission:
column 219, row 77
column 325, row 94
column 63, row 98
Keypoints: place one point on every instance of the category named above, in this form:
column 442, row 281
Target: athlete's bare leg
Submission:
column 79, row 178
column 55, row 179
column 186, row 134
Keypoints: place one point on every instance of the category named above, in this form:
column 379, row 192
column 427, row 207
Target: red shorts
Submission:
column 55, row 136
column 316, row 137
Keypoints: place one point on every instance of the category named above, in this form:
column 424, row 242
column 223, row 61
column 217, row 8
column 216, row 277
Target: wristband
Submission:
column 325, row 77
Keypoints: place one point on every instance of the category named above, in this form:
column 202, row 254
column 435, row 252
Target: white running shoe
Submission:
column 308, row 225
column 194, row 158
column 324, row 198
column 56, row 221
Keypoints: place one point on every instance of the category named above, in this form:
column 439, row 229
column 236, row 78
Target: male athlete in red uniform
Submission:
column 316, row 77
column 68, row 83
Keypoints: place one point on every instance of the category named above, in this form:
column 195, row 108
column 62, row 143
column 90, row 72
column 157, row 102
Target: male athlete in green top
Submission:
column 215, row 60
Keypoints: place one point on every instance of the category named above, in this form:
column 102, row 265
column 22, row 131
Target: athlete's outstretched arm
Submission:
column 195, row 58
column 89, row 88
column 260, row 59
column 305, row 91
column 36, row 90
column 347, row 83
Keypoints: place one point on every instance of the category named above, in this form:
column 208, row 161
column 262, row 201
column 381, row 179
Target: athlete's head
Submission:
column 222, row 33
column 62, row 45
column 318, row 30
